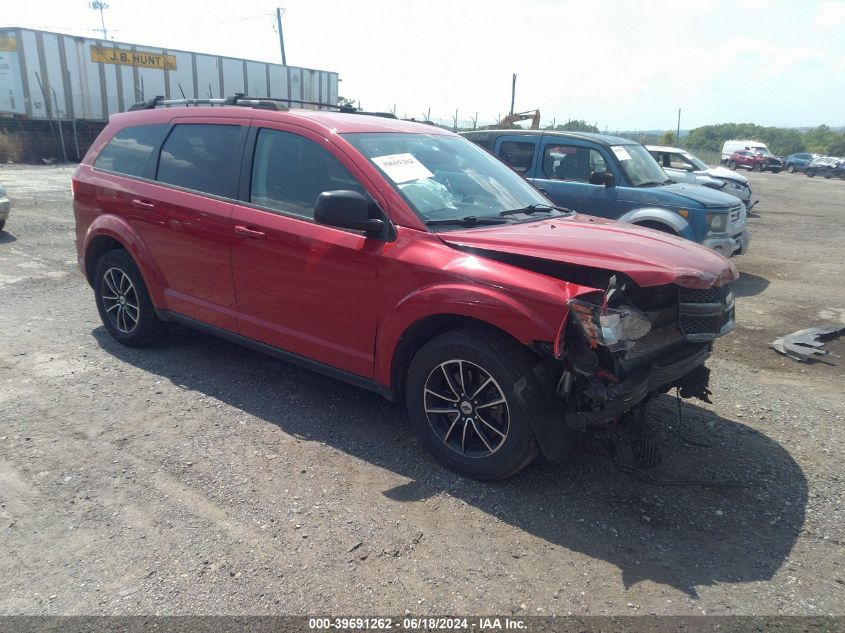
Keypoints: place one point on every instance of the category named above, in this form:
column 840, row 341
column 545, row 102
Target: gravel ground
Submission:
column 197, row 477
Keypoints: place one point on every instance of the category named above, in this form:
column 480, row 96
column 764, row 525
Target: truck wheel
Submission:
column 732, row 164
column 123, row 301
column 460, row 393
column 657, row 226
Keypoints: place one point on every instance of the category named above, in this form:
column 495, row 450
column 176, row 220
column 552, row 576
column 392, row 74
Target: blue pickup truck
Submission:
column 617, row 178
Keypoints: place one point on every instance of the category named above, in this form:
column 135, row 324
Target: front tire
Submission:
column 123, row 301
column 757, row 167
column 461, row 397
column 790, row 169
column 732, row 164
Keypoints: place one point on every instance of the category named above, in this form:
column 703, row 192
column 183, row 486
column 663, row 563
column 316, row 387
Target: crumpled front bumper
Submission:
column 627, row 394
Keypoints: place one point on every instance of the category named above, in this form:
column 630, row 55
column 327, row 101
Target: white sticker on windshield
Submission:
column 402, row 167
column 621, row 152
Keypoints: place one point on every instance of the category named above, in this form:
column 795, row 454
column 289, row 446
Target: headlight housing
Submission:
column 718, row 222
column 612, row 328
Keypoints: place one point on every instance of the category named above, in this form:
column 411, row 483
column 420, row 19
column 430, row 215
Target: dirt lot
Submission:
column 199, row 477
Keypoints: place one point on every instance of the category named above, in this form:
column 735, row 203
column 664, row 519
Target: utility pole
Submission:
column 678, row 134
column 97, row 5
column 513, row 92
column 279, row 11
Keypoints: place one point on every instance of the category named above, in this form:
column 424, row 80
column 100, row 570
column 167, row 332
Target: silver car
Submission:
column 5, row 205
column 681, row 166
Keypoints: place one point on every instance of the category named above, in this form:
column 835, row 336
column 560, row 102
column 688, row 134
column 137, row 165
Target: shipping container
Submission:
column 53, row 76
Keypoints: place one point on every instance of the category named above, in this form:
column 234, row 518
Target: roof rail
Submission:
column 239, row 99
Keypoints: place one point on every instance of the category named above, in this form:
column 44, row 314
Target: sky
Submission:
column 620, row 65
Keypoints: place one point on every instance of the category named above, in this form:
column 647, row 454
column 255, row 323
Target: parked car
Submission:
column 799, row 161
column 827, row 166
column 5, row 207
column 681, row 166
column 729, row 147
column 398, row 257
column 755, row 161
column 616, row 178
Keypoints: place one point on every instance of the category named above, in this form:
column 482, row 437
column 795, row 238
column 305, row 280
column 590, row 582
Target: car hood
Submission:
column 677, row 194
column 650, row 258
column 723, row 172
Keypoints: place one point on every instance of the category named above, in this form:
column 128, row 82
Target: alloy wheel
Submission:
column 466, row 408
column 120, row 300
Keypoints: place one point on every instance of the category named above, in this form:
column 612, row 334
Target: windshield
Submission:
column 446, row 178
column 640, row 167
column 694, row 161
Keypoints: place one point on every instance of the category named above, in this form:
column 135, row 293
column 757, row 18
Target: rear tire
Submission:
column 2, row 224
column 450, row 386
column 123, row 301
column 757, row 167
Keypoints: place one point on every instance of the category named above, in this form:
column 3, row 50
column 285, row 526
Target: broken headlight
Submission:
column 614, row 328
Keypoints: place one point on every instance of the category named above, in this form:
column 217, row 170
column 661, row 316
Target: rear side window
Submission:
column 517, row 154
column 129, row 150
column 290, row 172
column 202, row 158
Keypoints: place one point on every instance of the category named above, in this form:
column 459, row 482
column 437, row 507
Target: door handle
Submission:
column 146, row 205
column 240, row 229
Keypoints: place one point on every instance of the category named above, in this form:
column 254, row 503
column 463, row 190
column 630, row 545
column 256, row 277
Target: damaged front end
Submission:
column 620, row 347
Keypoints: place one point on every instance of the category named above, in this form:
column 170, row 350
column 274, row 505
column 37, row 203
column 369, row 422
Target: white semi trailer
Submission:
column 57, row 77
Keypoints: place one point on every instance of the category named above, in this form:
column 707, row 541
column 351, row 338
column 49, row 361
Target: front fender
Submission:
column 120, row 230
column 663, row 216
column 481, row 303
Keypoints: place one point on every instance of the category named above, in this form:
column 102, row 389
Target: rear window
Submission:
column 201, row 157
column 129, row 151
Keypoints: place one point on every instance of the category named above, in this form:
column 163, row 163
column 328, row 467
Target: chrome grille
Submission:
column 737, row 216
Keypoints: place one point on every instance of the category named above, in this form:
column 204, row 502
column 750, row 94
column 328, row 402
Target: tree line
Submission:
column 781, row 141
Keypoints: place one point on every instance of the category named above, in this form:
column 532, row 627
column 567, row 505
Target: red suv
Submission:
column 755, row 161
column 401, row 258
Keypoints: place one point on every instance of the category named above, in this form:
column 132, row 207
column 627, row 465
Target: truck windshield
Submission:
column 446, row 178
column 640, row 167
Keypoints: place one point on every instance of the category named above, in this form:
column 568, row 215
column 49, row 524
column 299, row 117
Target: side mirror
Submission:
column 346, row 210
column 601, row 178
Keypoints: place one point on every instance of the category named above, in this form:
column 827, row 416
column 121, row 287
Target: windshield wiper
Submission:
column 535, row 208
column 654, row 183
column 470, row 220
